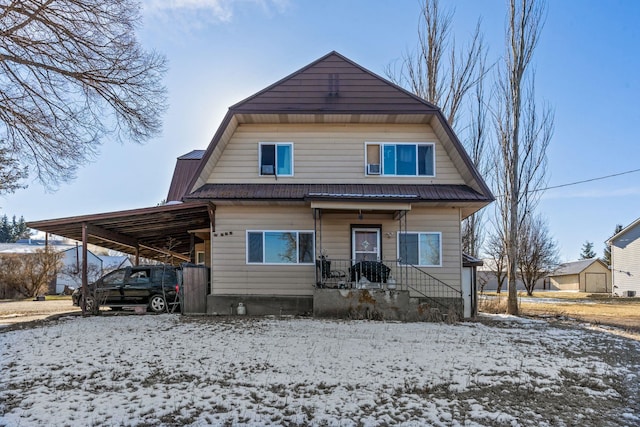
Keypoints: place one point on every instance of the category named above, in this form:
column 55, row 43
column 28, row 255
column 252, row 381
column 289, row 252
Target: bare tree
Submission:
column 30, row 274
column 437, row 70
column 473, row 230
column 522, row 133
column 11, row 173
column 495, row 247
column 445, row 75
column 73, row 73
column 538, row 255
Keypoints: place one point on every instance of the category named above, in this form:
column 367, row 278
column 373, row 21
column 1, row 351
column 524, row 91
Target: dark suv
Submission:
column 156, row 286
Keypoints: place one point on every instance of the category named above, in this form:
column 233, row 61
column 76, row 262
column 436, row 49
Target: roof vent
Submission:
column 334, row 84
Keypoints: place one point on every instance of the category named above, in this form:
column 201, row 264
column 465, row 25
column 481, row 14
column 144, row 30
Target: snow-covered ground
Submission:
column 172, row 370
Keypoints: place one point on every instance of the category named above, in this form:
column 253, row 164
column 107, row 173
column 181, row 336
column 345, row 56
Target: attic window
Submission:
column 276, row 159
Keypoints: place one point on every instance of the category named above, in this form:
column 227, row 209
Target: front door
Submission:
column 365, row 244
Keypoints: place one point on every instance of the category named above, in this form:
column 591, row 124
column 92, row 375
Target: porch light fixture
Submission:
column 360, row 214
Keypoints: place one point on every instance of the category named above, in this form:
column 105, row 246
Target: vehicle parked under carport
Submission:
column 155, row 286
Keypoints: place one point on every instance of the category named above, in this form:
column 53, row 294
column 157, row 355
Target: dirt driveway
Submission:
column 12, row 312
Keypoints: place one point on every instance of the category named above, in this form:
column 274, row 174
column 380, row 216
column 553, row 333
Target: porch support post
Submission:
column 85, row 280
column 317, row 227
column 192, row 248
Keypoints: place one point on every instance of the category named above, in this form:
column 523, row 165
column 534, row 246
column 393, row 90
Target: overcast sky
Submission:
column 221, row 51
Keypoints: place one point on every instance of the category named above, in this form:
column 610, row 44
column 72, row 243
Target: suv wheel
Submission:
column 157, row 304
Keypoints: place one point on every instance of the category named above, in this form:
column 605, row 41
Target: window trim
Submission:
column 381, row 145
column 438, row 233
column 313, row 244
column 276, row 144
column 198, row 262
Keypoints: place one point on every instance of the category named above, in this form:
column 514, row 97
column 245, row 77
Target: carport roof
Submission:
column 157, row 232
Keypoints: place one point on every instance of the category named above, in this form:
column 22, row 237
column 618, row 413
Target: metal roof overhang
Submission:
column 162, row 232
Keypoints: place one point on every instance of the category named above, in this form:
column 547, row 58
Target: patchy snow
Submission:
column 174, row 370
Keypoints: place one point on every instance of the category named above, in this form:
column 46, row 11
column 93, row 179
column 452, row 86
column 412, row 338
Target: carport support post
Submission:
column 85, row 285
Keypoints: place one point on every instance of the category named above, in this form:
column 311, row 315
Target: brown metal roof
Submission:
column 333, row 84
column 362, row 192
column 186, row 167
column 158, row 231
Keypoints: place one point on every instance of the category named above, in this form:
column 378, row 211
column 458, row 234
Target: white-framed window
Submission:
column 200, row 257
column 280, row 247
column 423, row 249
column 400, row 158
column 275, row 158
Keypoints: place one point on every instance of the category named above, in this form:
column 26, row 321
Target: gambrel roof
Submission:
column 334, row 84
column 334, row 89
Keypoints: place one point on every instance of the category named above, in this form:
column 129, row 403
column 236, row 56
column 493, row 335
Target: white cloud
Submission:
column 198, row 12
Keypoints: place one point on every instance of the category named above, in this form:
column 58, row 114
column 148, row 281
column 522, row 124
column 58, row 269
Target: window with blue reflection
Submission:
column 280, row 247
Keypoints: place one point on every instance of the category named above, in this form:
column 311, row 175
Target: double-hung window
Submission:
column 420, row 248
column 280, row 247
column 276, row 158
column 402, row 159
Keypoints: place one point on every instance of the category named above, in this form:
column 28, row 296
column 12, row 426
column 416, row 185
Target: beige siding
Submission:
column 230, row 272
column 565, row 283
column 322, row 148
column 232, row 275
column 587, row 284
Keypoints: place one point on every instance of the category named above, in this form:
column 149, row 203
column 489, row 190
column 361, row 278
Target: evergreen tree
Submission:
column 20, row 229
column 587, row 251
column 607, row 249
column 5, row 230
column 14, row 230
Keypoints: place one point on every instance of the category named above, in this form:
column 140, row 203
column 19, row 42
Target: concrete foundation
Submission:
column 375, row 304
column 256, row 305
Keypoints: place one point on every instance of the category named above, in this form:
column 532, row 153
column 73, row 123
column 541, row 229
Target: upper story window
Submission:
column 401, row 159
column 276, row 158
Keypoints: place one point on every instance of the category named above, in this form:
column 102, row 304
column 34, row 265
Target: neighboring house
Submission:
column 625, row 260
column 70, row 275
column 586, row 275
column 332, row 191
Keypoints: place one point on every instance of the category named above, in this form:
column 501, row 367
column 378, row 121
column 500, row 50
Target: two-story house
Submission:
column 332, row 191
column 321, row 176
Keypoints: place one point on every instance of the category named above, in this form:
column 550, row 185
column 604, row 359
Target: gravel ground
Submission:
column 12, row 312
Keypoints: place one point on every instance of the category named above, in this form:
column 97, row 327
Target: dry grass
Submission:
column 622, row 312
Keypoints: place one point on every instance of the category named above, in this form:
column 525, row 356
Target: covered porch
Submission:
column 373, row 270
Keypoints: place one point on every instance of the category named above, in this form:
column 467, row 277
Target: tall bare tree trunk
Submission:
column 522, row 139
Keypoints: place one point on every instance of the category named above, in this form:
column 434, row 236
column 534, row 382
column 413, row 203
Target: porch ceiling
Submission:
column 159, row 232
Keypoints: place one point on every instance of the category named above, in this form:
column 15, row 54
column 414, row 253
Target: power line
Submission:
column 586, row 180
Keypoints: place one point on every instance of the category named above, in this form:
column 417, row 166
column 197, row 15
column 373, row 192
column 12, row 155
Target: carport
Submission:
column 165, row 233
